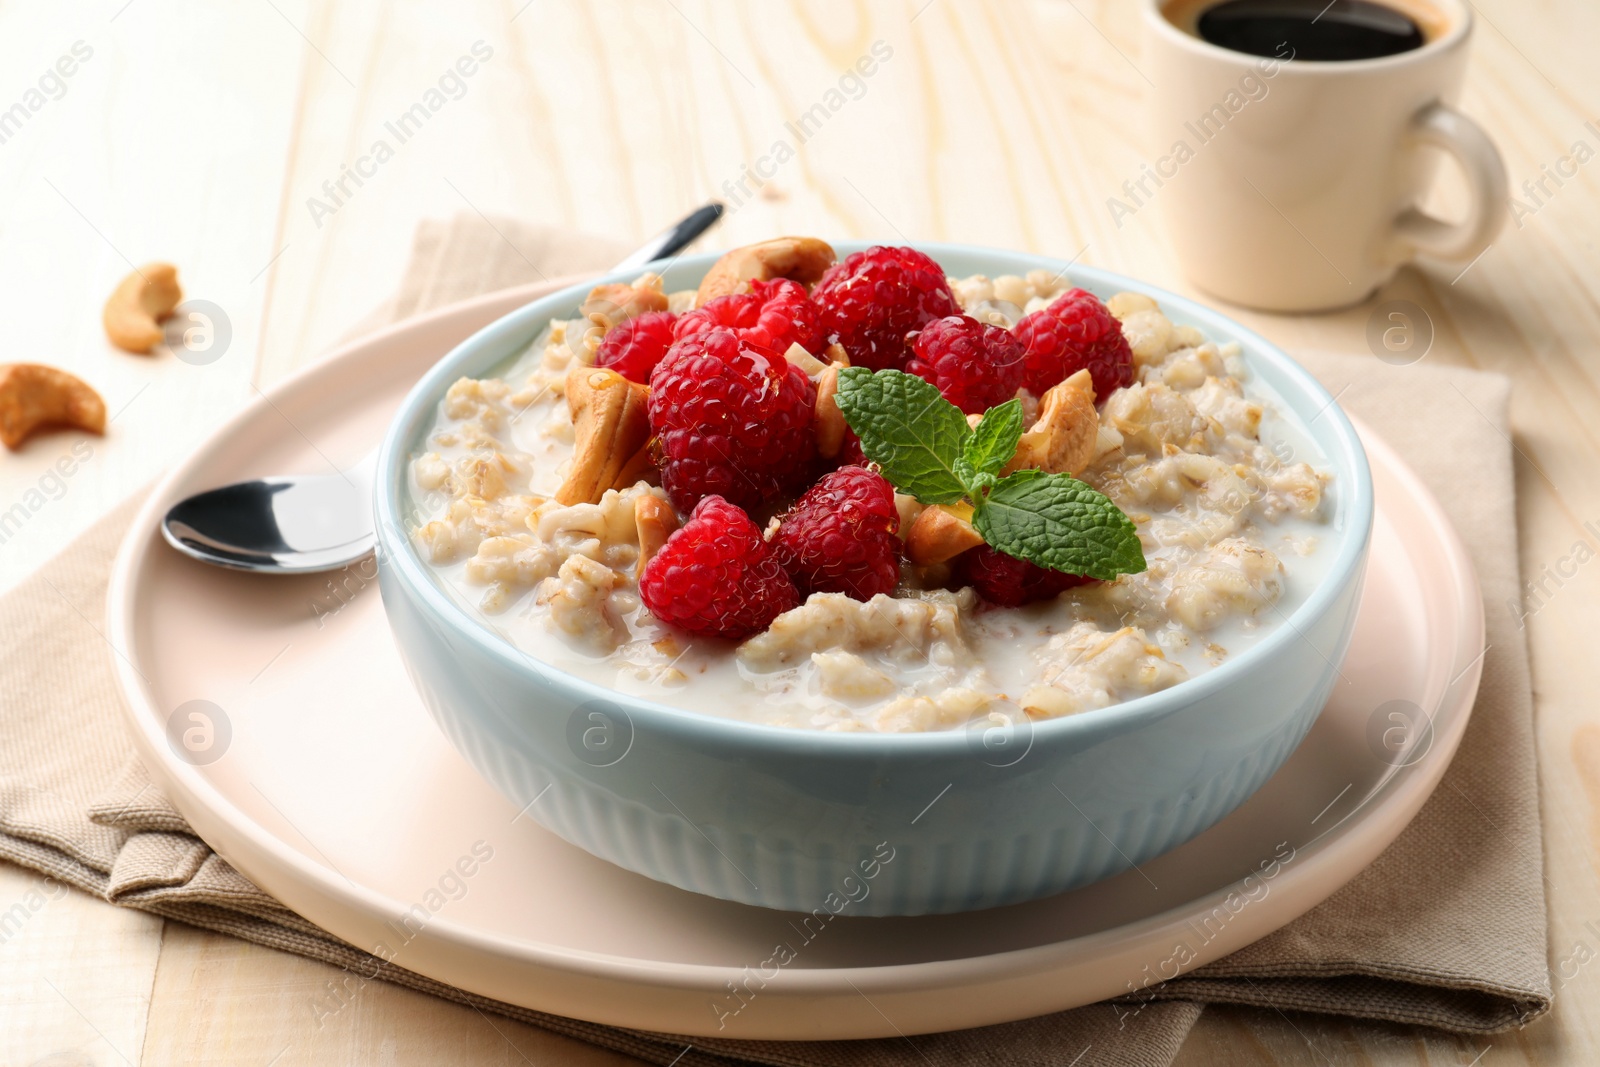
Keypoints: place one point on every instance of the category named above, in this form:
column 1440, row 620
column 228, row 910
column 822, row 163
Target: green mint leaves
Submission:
column 924, row 447
column 916, row 434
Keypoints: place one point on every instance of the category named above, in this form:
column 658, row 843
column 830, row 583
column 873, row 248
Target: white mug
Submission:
column 1290, row 185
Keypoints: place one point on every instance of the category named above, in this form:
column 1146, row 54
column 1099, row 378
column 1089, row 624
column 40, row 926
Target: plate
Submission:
column 274, row 712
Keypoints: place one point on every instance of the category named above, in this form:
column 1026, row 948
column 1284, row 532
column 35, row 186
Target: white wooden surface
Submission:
column 197, row 133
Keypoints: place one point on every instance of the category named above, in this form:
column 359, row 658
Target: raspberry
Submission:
column 840, row 537
column 775, row 314
column 874, row 298
column 731, row 418
column 1075, row 332
column 736, row 311
column 975, row 366
column 633, row 348
column 789, row 316
column 1009, row 581
column 716, row 576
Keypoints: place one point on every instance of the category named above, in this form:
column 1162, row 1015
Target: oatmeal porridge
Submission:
column 541, row 494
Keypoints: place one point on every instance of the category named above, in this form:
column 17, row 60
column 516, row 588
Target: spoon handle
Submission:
column 675, row 238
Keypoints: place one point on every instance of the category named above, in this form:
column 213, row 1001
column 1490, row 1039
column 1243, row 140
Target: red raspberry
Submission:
column 716, row 576
column 736, row 311
column 633, row 348
column 975, row 366
column 775, row 314
column 1009, row 581
column 874, row 298
column 1075, row 332
column 840, row 537
column 732, row 418
column 789, row 316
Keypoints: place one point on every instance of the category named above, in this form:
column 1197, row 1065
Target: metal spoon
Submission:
column 300, row 524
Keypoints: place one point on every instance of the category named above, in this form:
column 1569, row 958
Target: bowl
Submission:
column 873, row 824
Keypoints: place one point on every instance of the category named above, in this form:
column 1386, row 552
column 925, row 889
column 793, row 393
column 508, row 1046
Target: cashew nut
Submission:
column 33, row 395
column 1062, row 440
column 941, row 533
column 655, row 521
column 801, row 259
column 609, row 305
column 809, row 365
column 907, row 507
column 827, row 419
column 138, row 305
column 611, row 428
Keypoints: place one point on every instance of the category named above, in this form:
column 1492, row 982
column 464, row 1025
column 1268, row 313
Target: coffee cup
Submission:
column 1290, row 184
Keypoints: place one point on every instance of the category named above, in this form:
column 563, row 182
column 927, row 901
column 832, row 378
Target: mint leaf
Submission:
column 906, row 428
column 1058, row 522
column 992, row 443
column 924, row 446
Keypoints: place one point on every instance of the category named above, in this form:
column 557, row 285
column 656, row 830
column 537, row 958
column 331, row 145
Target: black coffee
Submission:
column 1310, row 29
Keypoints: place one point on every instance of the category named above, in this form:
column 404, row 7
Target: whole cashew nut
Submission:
column 34, row 395
column 613, row 304
column 1062, row 440
column 137, row 306
column 827, row 419
column 801, row 259
column 655, row 520
column 612, row 434
column 941, row 533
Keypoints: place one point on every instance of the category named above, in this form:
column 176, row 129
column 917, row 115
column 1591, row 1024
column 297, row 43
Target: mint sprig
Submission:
column 924, row 447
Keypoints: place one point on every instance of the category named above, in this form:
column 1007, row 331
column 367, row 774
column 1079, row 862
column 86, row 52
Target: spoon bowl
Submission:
column 283, row 525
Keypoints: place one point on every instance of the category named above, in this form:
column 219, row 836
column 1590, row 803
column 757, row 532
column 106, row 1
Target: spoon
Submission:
column 301, row 524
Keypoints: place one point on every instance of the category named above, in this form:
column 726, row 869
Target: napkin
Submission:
column 1447, row 928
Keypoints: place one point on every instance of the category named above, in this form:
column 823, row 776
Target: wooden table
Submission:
column 199, row 133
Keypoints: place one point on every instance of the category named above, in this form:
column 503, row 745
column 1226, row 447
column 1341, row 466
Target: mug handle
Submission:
column 1444, row 127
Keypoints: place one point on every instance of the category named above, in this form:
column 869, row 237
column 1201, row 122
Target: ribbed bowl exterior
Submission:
column 790, row 826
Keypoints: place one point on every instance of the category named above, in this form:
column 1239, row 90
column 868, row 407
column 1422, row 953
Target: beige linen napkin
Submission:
column 1447, row 928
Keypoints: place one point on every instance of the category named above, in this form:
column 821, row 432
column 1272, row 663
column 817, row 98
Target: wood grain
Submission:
column 203, row 133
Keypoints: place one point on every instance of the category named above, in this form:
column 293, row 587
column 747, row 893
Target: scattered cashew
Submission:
column 827, row 419
column 1063, row 439
column 801, row 259
column 138, row 304
column 612, row 431
column 609, row 305
column 941, row 533
column 33, row 395
column 655, row 521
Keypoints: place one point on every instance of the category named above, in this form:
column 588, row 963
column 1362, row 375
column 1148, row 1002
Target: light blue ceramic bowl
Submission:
column 881, row 824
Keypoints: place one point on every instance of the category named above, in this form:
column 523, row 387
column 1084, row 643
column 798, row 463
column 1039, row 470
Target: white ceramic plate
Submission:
column 328, row 785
